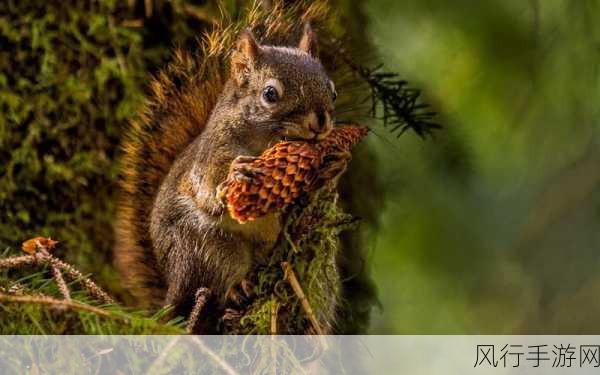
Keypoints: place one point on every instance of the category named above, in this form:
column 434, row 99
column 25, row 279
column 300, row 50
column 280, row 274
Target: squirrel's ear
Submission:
column 244, row 56
column 308, row 42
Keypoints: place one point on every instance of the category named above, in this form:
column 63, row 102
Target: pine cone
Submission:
column 283, row 173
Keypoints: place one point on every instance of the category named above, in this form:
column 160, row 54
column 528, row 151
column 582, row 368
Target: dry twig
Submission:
column 156, row 366
column 274, row 313
column 226, row 367
column 290, row 276
column 134, row 23
column 149, row 8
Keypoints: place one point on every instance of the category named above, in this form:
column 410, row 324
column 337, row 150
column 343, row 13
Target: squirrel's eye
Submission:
column 270, row 94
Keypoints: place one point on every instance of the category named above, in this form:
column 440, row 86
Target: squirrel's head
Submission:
column 283, row 91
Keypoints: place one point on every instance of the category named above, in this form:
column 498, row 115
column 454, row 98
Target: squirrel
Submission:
column 173, row 235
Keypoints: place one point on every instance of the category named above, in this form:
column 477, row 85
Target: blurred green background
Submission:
column 492, row 226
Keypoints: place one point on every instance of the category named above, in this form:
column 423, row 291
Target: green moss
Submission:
column 310, row 243
column 71, row 75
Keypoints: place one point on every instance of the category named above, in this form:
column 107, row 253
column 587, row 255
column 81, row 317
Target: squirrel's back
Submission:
column 179, row 106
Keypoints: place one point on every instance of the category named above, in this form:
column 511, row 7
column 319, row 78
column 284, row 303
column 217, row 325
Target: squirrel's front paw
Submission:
column 242, row 168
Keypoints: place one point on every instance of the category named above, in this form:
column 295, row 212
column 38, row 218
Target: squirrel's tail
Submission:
column 175, row 113
column 182, row 97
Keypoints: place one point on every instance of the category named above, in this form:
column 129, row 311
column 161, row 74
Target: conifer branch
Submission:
column 392, row 100
column 60, row 282
column 58, row 304
column 39, row 249
column 14, row 262
column 157, row 364
column 88, row 284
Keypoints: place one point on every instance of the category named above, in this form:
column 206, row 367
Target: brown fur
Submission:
column 172, row 234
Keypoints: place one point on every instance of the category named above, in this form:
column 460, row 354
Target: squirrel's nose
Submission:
column 320, row 123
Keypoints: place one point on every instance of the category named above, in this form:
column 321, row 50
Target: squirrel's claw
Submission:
column 243, row 168
column 221, row 193
column 243, row 159
column 232, row 315
column 231, row 319
column 237, row 299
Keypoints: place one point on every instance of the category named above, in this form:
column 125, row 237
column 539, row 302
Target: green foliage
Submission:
column 492, row 227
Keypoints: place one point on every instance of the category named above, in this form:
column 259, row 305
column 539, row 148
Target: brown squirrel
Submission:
column 173, row 234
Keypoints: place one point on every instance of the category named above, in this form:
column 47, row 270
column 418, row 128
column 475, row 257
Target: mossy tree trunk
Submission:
column 71, row 75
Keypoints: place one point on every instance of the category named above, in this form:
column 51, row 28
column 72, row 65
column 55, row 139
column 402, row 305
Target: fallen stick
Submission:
column 274, row 313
